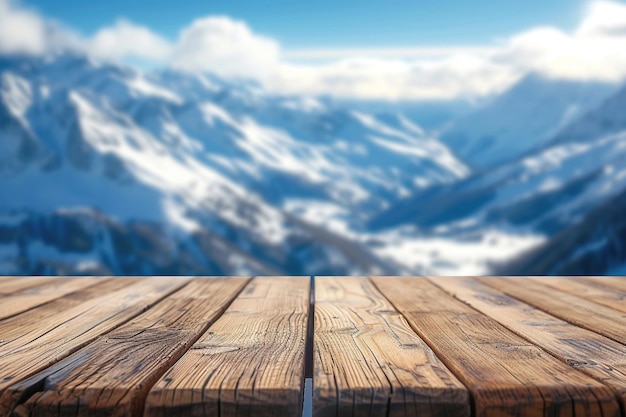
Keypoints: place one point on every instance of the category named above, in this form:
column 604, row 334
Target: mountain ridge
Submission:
column 193, row 165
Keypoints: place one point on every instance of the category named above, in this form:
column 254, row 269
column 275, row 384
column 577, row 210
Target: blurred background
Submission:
column 352, row 137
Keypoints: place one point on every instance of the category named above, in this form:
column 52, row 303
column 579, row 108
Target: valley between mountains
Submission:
column 108, row 170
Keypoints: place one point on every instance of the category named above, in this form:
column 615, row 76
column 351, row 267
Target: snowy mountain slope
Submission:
column 104, row 169
column 74, row 147
column 497, row 213
column 521, row 119
column 85, row 242
column 594, row 246
column 605, row 119
column 546, row 189
column 284, row 147
column 433, row 115
column 310, row 150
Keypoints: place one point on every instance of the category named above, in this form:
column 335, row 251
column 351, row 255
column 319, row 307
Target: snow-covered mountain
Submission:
column 546, row 191
column 100, row 150
column 530, row 199
column 522, row 118
column 104, row 169
column 433, row 115
column 300, row 152
column 596, row 244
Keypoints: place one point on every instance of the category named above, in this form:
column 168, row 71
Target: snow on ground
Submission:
column 461, row 248
column 142, row 86
column 303, row 104
column 335, row 218
column 470, row 255
column 16, row 92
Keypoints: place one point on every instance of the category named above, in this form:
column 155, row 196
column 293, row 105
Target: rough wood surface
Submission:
column 4, row 280
column 574, row 309
column 57, row 336
column 41, row 294
column 249, row 363
column 29, row 321
column 10, row 285
column 596, row 355
column 506, row 375
column 520, row 347
column 589, row 289
column 112, row 375
column 617, row 283
column 369, row 362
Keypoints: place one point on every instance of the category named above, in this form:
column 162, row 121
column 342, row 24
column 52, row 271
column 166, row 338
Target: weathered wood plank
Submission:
column 249, row 363
column 58, row 336
column 28, row 321
column 369, row 362
column 597, row 293
column 112, row 375
column 18, row 302
column 589, row 352
column 506, row 375
column 617, row 283
column 11, row 285
column 571, row 308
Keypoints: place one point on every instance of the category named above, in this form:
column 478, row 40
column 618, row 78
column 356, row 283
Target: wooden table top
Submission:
column 383, row 346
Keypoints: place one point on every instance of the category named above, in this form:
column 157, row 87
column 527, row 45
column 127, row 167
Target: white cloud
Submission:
column 230, row 48
column 325, row 54
column 595, row 50
column 604, row 19
column 127, row 40
column 21, row 30
column 227, row 47
column 460, row 75
column 24, row 31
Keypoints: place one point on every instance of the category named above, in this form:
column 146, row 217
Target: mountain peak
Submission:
column 522, row 118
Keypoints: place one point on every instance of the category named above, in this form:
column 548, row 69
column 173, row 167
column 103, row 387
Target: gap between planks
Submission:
column 113, row 374
column 522, row 380
column 596, row 294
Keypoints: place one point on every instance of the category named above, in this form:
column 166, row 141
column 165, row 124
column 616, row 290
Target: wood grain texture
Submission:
column 112, row 375
column 249, row 363
column 369, row 362
column 595, row 292
column 57, row 336
column 506, row 375
column 12, row 285
column 617, row 283
column 5, row 280
column 28, row 321
column 596, row 355
column 577, row 310
column 26, row 299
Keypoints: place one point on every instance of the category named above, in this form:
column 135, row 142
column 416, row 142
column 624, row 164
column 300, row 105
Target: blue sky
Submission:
column 324, row 23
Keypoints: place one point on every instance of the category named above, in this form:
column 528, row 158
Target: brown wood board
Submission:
column 574, row 309
column 59, row 335
column 369, row 362
column 249, row 363
column 111, row 376
column 506, row 374
column 35, row 296
column 597, row 356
